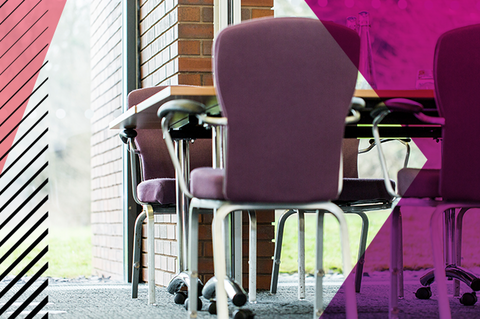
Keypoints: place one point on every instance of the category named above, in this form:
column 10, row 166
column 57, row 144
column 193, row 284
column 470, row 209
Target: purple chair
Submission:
column 285, row 86
column 457, row 184
column 154, row 188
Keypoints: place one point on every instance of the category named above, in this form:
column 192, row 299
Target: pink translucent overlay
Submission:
column 26, row 29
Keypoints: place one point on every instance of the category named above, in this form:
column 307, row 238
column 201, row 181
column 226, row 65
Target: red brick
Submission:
column 205, row 265
column 187, row 64
column 264, row 265
column 204, row 232
column 264, row 248
column 263, row 217
column 189, row 47
column 260, row 13
column 195, row 31
column 246, row 14
column 190, row 79
column 207, row 47
column 206, row 219
column 265, row 232
column 207, row 249
column 195, row 2
column 263, row 282
column 207, row 14
column 207, row 79
column 188, row 14
column 257, row 3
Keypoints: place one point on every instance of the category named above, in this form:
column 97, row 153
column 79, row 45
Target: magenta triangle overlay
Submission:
column 404, row 36
column 26, row 30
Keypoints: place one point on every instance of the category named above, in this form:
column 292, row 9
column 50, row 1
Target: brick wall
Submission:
column 106, row 151
column 174, row 48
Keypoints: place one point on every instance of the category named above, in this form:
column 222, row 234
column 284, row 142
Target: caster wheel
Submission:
column 239, row 299
column 180, row 298
column 475, row 285
column 212, row 308
column 199, row 304
column 243, row 314
column 423, row 293
column 468, row 299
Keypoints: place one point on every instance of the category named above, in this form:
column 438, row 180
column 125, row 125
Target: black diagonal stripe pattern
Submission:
column 24, row 135
column 24, row 101
column 23, row 255
column 23, row 215
column 28, row 46
column 31, row 298
column 39, row 307
column 19, row 157
column 23, row 170
column 25, row 202
column 24, row 288
column 30, row 78
column 24, row 237
column 24, row 271
column 23, row 221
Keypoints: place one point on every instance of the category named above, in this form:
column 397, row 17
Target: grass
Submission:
column 331, row 254
column 69, row 253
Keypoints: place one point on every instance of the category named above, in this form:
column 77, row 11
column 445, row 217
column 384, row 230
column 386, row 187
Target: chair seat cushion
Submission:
column 419, row 183
column 207, row 183
column 364, row 189
column 157, row 190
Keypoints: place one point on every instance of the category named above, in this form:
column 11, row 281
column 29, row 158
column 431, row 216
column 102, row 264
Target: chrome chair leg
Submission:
column 401, row 290
column 151, row 253
column 137, row 242
column 458, row 248
column 252, row 260
column 348, row 285
column 439, row 269
column 193, row 264
column 301, row 254
column 278, row 249
column 395, row 246
column 361, row 250
column 318, row 306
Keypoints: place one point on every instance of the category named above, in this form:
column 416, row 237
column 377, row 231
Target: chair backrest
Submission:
column 457, row 87
column 285, row 85
column 153, row 153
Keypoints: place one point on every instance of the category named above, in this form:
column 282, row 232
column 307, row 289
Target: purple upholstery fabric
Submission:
column 359, row 189
column 418, row 183
column 457, row 87
column 156, row 162
column 285, row 85
column 158, row 190
column 207, row 182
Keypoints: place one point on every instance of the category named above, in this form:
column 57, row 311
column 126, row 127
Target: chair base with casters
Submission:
column 452, row 254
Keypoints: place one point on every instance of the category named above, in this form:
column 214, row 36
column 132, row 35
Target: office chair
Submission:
column 285, row 86
column 154, row 188
column 456, row 185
